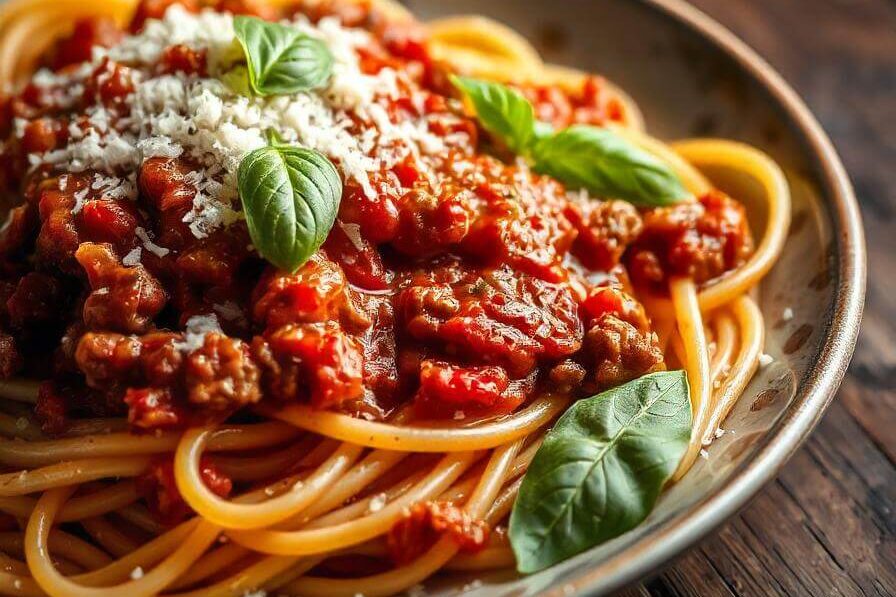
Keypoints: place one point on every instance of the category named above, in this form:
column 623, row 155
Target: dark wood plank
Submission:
column 827, row 525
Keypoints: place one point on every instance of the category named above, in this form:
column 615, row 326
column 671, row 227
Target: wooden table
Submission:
column 827, row 525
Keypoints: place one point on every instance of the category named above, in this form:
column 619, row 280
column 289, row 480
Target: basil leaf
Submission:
column 542, row 131
column 607, row 165
column 237, row 80
column 290, row 198
column 502, row 111
column 600, row 469
column 281, row 60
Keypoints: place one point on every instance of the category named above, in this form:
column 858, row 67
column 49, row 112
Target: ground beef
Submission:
column 58, row 238
column 605, row 229
column 500, row 316
column 20, row 225
column 315, row 293
column 613, row 300
column 381, row 379
column 702, row 240
column 65, row 399
column 123, row 299
column 615, row 352
column 317, row 362
column 161, row 358
column 220, row 375
column 107, row 359
column 217, row 377
column 519, row 221
column 430, row 223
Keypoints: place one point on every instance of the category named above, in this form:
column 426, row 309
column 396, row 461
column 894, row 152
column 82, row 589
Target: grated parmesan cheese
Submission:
column 79, row 200
column 132, row 258
column 200, row 118
column 150, row 246
column 196, row 329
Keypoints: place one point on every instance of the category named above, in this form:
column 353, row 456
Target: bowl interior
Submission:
column 686, row 87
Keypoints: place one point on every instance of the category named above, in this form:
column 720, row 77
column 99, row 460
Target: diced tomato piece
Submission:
column 358, row 258
column 110, row 221
column 158, row 487
column 155, row 9
column 78, row 47
column 314, row 293
column 152, row 408
column 425, row 522
column 447, row 388
column 317, row 362
column 604, row 300
column 181, row 58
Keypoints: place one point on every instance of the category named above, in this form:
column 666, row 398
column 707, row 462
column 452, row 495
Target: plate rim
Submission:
column 822, row 381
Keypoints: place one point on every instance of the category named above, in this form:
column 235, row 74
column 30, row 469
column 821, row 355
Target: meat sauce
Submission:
column 464, row 294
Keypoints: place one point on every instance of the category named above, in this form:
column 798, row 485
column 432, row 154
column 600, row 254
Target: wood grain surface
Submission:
column 827, row 525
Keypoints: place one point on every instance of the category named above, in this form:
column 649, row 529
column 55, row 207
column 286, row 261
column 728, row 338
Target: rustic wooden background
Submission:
column 827, row 525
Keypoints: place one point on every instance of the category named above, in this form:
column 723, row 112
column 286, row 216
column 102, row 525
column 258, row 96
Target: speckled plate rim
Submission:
column 823, row 379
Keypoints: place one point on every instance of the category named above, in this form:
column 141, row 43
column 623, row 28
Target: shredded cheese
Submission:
column 197, row 328
column 200, row 118
column 150, row 246
column 132, row 258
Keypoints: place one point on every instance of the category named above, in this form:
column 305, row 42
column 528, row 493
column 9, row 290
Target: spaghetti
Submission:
column 350, row 495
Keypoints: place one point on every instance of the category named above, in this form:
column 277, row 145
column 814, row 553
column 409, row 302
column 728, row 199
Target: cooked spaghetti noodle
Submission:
column 365, row 495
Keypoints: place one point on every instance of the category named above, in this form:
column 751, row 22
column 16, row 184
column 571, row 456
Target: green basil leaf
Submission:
column 290, row 197
column 542, row 131
column 502, row 111
column 237, row 80
column 281, row 60
column 607, row 165
column 600, row 469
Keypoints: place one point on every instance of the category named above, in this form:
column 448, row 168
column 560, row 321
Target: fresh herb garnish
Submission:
column 600, row 160
column 279, row 59
column 503, row 111
column 600, row 469
column 582, row 156
column 290, row 197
